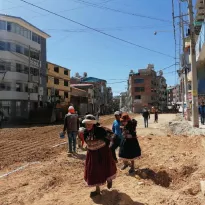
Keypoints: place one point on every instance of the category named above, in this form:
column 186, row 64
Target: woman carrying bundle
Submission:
column 129, row 148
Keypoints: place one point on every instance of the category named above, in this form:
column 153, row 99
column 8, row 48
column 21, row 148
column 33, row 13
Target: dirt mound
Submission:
column 184, row 128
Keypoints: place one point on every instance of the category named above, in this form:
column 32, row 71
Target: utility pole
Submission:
column 184, row 64
column 195, row 114
column 29, row 74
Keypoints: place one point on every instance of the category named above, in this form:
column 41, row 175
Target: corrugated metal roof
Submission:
column 81, row 85
column 92, row 79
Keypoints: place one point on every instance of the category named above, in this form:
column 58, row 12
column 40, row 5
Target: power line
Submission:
column 111, row 36
column 79, row 7
column 104, row 29
column 120, row 11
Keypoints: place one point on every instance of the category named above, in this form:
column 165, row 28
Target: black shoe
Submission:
column 131, row 171
column 94, row 194
column 124, row 166
column 109, row 185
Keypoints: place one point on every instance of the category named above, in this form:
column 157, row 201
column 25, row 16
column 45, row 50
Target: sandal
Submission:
column 131, row 171
column 94, row 194
column 124, row 166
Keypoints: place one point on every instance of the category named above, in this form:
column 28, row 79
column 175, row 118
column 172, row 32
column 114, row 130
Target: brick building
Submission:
column 145, row 88
column 142, row 89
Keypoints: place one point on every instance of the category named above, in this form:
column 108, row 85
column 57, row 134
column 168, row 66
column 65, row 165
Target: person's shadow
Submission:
column 114, row 198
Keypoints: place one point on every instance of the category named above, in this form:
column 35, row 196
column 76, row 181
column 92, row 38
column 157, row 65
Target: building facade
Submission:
column 142, row 89
column 170, row 97
column 58, row 84
column 161, row 92
column 22, row 66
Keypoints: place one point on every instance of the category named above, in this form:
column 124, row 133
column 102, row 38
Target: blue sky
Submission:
column 99, row 55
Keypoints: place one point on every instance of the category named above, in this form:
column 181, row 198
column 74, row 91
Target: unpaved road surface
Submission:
column 168, row 172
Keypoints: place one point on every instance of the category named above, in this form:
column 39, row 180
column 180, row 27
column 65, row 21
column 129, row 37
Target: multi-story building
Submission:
column 22, row 66
column 58, row 83
column 170, row 96
column 101, row 92
column 200, row 46
column 89, row 88
column 161, row 92
column 176, row 94
column 142, row 89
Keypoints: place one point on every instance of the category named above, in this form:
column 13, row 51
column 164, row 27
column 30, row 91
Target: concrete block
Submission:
column 202, row 183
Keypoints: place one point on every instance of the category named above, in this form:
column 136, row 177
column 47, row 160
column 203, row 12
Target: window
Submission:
column 137, row 97
column 34, row 55
column 2, row 25
column 5, row 66
column 2, row 46
column 139, row 89
column 18, row 87
column 56, row 69
column 36, row 38
column 8, row 26
column 18, row 67
column 56, row 81
column 2, row 86
column 26, row 69
column 65, row 72
column 56, row 92
column 35, row 72
column 19, row 49
column 26, row 52
column 65, row 83
column 139, row 80
column 66, row 94
column 18, row 108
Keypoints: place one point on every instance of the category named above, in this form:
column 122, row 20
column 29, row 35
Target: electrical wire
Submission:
column 111, row 36
column 120, row 11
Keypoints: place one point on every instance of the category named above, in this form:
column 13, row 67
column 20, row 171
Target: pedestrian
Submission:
column 129, row 148
column 202, row 112
column 100, row 166
column 146, row 116
column 71, row 125
column 117, row 137
column 156, row 116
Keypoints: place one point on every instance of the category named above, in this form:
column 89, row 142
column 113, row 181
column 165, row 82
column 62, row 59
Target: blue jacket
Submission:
column 116, row 128
column 202, row 109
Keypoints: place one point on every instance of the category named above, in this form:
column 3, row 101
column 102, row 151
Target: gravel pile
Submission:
column 182, row 127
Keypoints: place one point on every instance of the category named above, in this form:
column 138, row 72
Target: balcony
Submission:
column 14, row 95
column 200, row 44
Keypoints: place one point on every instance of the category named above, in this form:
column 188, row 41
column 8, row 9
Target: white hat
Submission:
column 89, row 119
column 71, row 108
column 117, row 113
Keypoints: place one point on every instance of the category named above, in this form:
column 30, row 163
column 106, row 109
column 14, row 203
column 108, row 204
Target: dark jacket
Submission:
column 71, row 123
column 146, row 114
column 202, row 110
column 98, row 133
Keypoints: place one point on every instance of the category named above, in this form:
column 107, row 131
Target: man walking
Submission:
column 117, row 135
column 202, row 112
column 71, row 125
column 146, row 116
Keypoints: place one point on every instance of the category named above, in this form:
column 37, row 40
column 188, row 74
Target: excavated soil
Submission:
column 168, row 172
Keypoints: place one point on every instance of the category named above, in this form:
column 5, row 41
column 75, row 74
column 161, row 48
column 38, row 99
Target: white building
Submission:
column 22, row 66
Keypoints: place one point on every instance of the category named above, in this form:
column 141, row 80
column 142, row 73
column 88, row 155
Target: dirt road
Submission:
column 168, row 172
